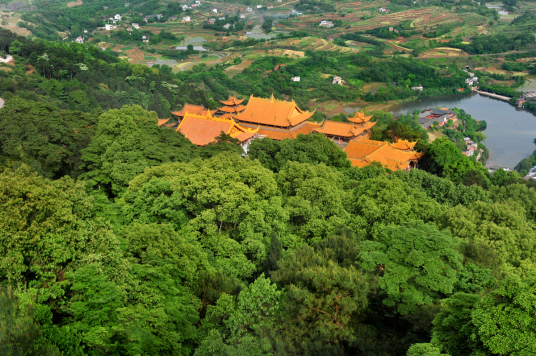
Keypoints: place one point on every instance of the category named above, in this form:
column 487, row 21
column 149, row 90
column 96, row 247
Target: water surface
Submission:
column 510, row 131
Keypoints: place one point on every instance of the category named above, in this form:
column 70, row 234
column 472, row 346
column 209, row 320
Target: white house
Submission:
column 471, row 81
column 249, row 9
column 259, row 6
column 227, row 25
column 117, row 17
column 215, row 11
column 295, row 79
column 79, row 39
column 144, row 39
column 186, row 19
column 337, row 80
column 279, row 0
column 108, row 27
column 221, row 18
column 85, row 31
column 184, row 7
column 242, row 16
column 198, row 3
column 420, row 87
column 211, row 21
column 136, row 26
column 325, row 23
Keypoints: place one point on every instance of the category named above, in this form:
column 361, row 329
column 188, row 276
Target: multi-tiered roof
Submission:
column 203, row 129
column 232, row 106
column 394, row 156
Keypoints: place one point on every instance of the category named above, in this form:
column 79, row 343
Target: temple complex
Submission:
column 395, row 156
column 179, row 115
column 232, row 106
column 359, row 127
column 204, row 128
column 276, row 119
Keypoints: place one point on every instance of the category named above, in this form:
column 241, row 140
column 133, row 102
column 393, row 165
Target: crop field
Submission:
column 12, row 20
column 313, row 43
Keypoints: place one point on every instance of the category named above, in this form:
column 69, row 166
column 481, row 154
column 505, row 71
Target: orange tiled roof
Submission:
column 280, row 134
column 360, row 118
column 162, row 121
column 232, row 109
column 203, row 129
column 342, row 129
column 367, row 151
column 273, row 112
column 231, row 101
column 193, row 109
column 404, row 145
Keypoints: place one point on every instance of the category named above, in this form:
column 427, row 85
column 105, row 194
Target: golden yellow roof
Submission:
column 273, row 112
column 232, row 109
column 192, row 109
column 404, row 145
column 203, row 129
column 343, row 129
column 232, row 101
column 367, row 151
column 360, row 118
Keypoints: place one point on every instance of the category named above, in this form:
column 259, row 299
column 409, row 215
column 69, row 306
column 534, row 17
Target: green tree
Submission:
column 125, row 143
column 505, row 318
column 43, row 137
column 381, row 201
column 48, row 228
column 324, row 293
column 312, row 149
column 454, row 331
column 415, row 261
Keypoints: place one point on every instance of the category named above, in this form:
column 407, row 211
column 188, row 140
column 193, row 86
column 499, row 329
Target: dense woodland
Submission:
column 120, row 237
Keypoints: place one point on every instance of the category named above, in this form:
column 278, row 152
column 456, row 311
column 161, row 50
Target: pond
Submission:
column 192, row 40
column 258, row 33
column 510, row 131
column 196, row 48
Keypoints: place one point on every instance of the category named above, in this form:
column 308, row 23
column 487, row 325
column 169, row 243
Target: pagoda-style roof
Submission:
column 364, row 152
column 272, row 112
column 193, row 109
column 360, row 118
column 404, row 145
column 203, row 129
column 341, row 129
column 232, row 101
column 232, row 109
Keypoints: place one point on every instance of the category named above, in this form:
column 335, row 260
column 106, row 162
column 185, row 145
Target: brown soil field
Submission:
column 234, row 70
column 74, row 3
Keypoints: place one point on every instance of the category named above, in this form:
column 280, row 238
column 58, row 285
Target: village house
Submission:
column 528, row 96
column 117, row 17
column 227, row 26
column 198, row 3
column 384, row 10
column 295, row 79
column 420, row 87
column 221, row 18
column 391, row 29
column 259, row 6
column 144, row 39
column 85, row 31
column 471, row 81
column 105, row 7
column 184, row 7
column 158, row 16
column 212, row 21
column 242, row 16
column 325, row 23
column 215, row 11
column 136, row 26
column 186, row 19
column 249, row 9
column 79, row 39
column 172, row 18
column 337, row 80
column 428, row 116
column 108, row 27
